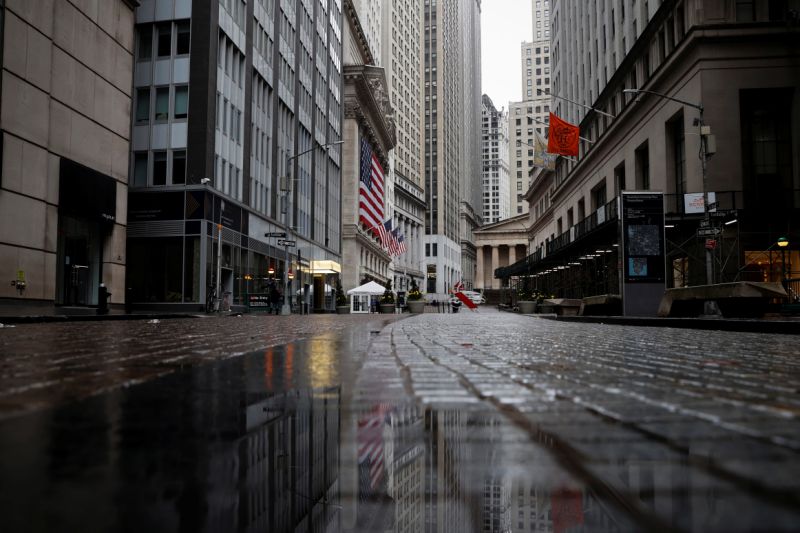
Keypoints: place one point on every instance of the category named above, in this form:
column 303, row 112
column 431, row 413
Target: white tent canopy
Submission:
column 360, row 296
column 371, row 288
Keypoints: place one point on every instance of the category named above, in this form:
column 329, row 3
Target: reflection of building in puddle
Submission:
column 446, row 504
column 288, row 462
column 405, row 460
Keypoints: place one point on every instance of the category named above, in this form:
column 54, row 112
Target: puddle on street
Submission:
column 278, row 441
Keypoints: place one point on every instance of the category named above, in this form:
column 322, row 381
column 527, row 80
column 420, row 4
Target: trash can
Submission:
column 455, row 305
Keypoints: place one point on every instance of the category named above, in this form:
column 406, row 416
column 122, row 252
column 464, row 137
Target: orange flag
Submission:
column 563, row 137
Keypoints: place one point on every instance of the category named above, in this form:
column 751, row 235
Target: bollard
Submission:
column 102, row 299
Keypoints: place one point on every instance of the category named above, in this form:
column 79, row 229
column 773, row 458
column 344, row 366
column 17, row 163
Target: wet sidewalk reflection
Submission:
column 326, row 435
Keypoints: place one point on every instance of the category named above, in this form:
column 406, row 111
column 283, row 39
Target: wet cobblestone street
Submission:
column 481, row 421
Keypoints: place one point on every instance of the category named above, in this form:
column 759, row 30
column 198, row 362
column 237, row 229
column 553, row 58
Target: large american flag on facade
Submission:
column 370, row 191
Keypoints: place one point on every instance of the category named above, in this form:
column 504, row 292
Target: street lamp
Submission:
column 704, row 132
column 286, row 188
column 783, row 242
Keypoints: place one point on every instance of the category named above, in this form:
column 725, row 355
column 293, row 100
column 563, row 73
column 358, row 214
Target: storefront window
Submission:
column 155, row 269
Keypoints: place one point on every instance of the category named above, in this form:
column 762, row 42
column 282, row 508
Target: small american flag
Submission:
column 394, row 245
column 401, row 244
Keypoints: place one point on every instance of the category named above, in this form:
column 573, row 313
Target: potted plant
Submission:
column 342, row 307
column 415, row 302
column 527, row 299
column 387, row 300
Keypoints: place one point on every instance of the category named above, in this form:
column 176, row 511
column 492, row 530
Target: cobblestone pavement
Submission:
column 481, row 421
column 696, row 430
column 42, row 365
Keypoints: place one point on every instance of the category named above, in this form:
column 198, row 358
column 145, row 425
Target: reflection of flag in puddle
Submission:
column 370, row 441
column 566, row 507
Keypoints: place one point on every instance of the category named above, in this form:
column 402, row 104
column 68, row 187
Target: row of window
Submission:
column 166, row 38
column 153, row 104
column 168, row 167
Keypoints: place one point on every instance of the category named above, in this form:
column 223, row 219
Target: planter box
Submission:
column 387, row 309
column 526, row 307
column 416, row 306
column 342, row 309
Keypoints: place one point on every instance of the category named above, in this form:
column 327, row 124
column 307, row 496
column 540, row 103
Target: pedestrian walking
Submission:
column 274, row 299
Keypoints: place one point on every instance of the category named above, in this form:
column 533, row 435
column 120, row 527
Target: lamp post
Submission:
column 219, row 257
column 703, row 165
column 286, row 189
column 783, row 242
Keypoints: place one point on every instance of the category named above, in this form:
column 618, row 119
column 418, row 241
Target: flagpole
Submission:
column 551, row 95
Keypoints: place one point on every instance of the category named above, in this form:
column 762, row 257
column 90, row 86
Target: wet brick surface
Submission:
column 675, row 429
column 44, row 364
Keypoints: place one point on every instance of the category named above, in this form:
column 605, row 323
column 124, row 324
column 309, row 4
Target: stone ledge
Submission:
column 601, row 305
column 737, row 299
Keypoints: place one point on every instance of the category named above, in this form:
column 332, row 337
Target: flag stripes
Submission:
column 370, row 189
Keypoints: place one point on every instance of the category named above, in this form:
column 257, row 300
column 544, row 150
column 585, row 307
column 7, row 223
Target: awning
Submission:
column 86, row 193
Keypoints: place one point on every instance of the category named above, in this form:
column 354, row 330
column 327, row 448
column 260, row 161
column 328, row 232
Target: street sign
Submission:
column 278, row 234
column 286, row 242
column 723, row 213
column 712, row 206
column 708, row 232
column 711, row 244
column 705, row 223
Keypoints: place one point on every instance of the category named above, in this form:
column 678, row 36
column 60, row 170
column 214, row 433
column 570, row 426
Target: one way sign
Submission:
column 286, row 242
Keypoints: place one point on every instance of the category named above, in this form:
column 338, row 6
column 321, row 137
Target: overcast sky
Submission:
column 504, row 25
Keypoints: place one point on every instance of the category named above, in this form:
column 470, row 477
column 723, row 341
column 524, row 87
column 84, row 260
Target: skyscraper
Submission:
column 531, row 115
column 401, row 50
column 451, row 129
column 233, row 103
column 495, row 162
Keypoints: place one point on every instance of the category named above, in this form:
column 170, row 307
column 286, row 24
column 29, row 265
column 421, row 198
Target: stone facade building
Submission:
column 719, row 71
column 368, row 118
column 67, row 69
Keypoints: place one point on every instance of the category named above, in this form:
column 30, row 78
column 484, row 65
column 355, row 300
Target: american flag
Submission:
column 386, row 234
column 401, row 244
column 394, row 245
column 370, row 190
column 370, row 441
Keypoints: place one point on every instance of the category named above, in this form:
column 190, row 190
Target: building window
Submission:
column 140, row 169
column 642, row 156
column 599, row 196
column 182, row 40
column 142, row 105
column 745, row 11
column 181, row 107
column 164, row 40
column 145, row 49
column 159, row 168
column 179, row 166
column 676, row 157
column 619, row 178
column 767, row 147
column 162, row 104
